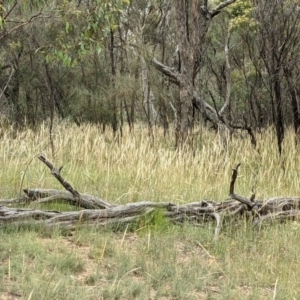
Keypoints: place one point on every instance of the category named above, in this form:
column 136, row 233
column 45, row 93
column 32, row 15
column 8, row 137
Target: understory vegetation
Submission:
column 155, row 259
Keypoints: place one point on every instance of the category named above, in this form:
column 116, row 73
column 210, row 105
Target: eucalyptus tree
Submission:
column 193, row 20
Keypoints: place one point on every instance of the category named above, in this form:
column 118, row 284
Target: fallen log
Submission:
column 92, row 210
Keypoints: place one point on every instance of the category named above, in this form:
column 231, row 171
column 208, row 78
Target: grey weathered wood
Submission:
column 98, row 212
column 197, row 212
column 49, row 195
column 56, row 172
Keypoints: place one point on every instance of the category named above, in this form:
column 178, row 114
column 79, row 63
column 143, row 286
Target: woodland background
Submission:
column 119, row 62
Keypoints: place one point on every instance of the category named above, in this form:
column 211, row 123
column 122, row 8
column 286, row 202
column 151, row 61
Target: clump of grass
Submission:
column 66, row 263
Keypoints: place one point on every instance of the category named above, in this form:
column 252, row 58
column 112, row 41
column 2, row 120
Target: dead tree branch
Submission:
column 218, row 8
column 56, row 173
column 98, row 212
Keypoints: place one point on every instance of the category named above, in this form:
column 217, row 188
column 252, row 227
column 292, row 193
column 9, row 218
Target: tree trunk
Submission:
column 294, row 102
column 15, row 96
column 279, row 112
column 4, row 105
column 186, row 86
column 148, row 97
column 114, row 106
column 193, row 20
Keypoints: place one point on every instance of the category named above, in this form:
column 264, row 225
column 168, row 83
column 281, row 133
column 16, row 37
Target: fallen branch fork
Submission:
column 96, row 211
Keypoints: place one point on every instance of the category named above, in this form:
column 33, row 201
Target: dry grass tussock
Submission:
column 158, row 261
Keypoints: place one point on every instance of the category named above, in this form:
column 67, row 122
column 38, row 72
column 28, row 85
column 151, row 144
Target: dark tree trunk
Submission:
column 31, row 113
column 114, row 106
column 279, row 112
column 293, row 94
column 189, row 61
column 15, row 95
column 296, row 115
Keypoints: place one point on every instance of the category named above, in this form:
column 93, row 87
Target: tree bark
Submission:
column 184, row 106
column 114, row 106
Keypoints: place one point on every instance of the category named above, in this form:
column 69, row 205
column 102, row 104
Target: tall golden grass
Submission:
column 136, row 167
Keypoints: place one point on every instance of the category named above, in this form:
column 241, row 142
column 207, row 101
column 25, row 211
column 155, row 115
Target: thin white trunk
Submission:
column 228, row 77
column 148, row 96
column 4, row 106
